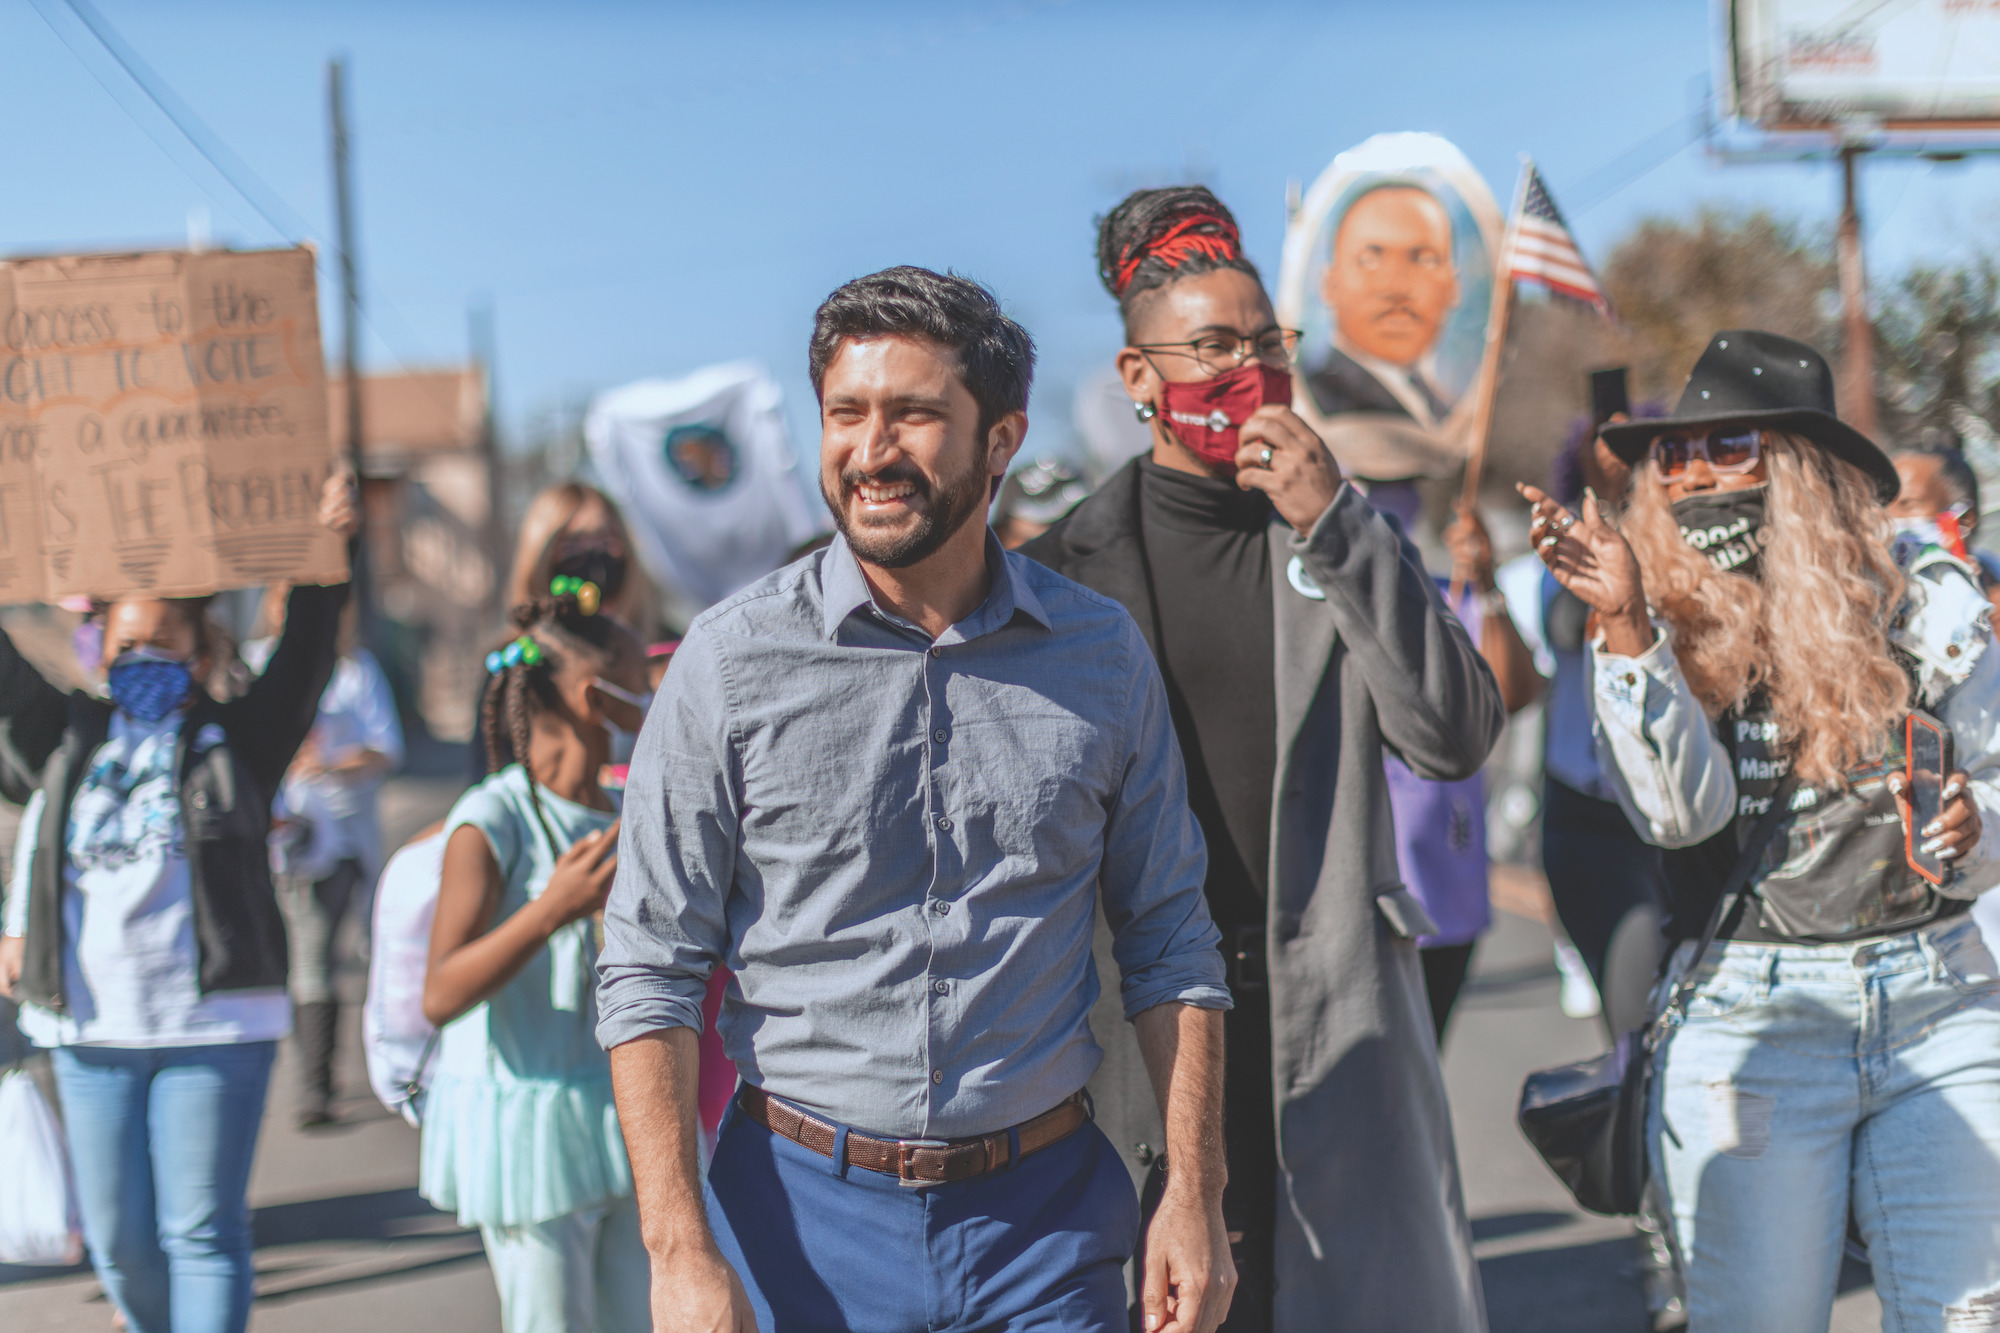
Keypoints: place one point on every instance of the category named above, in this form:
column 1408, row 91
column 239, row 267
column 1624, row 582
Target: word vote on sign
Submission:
column 162, row 425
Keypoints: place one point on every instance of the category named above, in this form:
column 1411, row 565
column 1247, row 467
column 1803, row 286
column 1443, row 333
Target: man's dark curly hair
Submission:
column 996, row 357
column 1155, row 237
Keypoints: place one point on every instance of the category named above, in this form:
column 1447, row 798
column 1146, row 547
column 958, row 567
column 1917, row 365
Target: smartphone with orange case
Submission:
column 1927, row 762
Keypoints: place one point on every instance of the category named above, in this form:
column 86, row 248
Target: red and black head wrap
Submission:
column 1156, row 236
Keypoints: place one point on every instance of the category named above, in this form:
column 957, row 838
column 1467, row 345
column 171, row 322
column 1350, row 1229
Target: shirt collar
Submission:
column 843, row 591
column 1395, row 378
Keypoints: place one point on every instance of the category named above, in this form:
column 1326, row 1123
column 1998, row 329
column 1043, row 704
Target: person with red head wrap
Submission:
column 1300, row 639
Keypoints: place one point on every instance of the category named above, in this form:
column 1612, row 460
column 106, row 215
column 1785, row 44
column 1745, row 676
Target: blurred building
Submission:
column 433, row 535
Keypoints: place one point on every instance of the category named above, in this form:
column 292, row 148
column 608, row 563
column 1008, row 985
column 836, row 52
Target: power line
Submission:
column 113, row 93
column 1650, row 153
column 213, row 150
column 204, row 140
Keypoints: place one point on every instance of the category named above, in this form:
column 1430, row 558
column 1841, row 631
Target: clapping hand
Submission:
column 1593, row 560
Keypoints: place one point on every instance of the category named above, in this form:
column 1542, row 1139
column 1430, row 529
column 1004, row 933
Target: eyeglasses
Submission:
column 1726, row 450
column 1218, row 353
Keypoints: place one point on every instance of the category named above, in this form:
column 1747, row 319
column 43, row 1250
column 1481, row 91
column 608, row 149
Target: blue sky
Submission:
column 643, row 189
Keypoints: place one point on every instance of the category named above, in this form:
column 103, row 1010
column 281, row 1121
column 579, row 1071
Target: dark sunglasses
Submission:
column 1726, row 450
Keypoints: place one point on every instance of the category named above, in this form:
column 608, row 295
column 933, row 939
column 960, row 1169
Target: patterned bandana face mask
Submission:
column 1726, row 526
column 148, row 686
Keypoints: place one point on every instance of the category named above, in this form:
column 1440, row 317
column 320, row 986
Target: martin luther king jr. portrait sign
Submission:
column 1388, row 270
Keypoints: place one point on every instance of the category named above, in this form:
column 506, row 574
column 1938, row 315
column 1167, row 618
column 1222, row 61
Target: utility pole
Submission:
column 350, row 328
column 479, row 320
column 1856, row 391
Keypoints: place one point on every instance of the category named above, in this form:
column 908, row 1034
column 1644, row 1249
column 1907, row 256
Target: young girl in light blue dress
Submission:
column 520, row 1136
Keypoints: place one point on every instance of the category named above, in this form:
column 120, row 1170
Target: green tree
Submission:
column 1938, row 334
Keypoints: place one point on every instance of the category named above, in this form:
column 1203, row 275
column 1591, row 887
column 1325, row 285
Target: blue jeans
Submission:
column 161, row 1141
column 1809, row 1079
column 1038, row 1246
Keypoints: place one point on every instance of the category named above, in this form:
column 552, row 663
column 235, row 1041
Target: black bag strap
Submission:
column 1731, row 900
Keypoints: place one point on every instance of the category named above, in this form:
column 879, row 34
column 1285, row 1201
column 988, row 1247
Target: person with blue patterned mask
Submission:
column 142, row 936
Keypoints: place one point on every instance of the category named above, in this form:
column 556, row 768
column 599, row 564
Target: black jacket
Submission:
column 226, row 793
column 1342, row 384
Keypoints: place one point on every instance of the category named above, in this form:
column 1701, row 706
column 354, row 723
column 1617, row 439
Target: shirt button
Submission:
column 937, row 1076
column 1631, row 679
column 936, row 650
column 944, row 823
column 941, row 987
column 940, row 735
column 940, row 906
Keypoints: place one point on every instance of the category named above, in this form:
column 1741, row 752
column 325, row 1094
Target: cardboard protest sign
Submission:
column 162, row 425
column 1388, row 270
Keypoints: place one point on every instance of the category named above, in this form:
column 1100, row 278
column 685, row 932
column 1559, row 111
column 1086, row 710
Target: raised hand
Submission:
column 1593, row 560
column 1470, row 548
column 339, row 504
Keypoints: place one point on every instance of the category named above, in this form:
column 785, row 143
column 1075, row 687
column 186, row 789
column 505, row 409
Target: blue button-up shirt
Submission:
column 897, row 845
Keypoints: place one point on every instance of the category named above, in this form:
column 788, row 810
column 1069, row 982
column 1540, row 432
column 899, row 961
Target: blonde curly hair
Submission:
column 1812, row 633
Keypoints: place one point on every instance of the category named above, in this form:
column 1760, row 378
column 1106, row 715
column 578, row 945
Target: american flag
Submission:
column 1544, row 251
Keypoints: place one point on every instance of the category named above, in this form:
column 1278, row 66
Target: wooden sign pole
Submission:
column 1496, row 341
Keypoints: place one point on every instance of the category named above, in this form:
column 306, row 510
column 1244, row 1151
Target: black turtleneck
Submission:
column 1209, row 552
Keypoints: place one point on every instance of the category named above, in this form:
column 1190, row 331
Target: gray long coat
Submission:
column 1372, row 1231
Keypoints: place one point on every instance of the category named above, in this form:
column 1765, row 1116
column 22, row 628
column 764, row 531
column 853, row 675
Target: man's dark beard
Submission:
column 940, row 513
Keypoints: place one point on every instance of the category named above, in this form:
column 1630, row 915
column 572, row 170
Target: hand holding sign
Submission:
column 339, row 509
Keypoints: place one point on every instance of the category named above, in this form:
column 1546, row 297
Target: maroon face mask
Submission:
column 1208, row 415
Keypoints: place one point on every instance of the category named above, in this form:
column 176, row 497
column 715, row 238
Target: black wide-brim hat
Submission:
column 1763, row 380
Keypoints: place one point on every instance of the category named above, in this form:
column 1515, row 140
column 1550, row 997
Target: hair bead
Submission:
column 588, row 595
column 523, row 651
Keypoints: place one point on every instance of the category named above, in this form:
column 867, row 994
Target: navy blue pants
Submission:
column 1037, row 1246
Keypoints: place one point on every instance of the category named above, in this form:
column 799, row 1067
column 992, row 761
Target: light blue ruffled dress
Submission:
column 519, row 1124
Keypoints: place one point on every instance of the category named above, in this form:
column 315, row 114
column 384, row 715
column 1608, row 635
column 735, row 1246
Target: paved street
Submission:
column 344, row 1243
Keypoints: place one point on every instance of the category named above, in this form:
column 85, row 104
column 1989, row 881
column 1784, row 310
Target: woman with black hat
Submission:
column 1756, row 639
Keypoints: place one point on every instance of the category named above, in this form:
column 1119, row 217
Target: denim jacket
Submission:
column 1669, row 766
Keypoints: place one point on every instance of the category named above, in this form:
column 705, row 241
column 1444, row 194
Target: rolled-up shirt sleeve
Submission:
column 664, row 925
column 1667, row 767
column 1155, row 862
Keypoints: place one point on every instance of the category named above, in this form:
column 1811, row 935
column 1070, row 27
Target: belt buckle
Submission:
column 906, row 1151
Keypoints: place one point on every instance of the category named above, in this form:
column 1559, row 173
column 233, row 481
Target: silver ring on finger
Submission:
column 1264, row 457
column 1566, row 522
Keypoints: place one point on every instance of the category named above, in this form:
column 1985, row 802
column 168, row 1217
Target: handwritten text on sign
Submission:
column 162, row 425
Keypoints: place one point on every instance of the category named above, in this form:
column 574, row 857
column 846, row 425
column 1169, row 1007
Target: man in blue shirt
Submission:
column 888, row 787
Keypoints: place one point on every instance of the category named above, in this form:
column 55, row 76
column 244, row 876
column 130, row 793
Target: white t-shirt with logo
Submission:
column 129, row 953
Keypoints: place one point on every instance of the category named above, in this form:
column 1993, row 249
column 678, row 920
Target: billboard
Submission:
column 1925, row 67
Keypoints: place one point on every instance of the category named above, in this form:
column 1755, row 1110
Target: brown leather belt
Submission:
column 916, row 1161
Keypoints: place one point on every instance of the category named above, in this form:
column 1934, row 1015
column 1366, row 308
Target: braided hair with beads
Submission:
column 554, row 630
